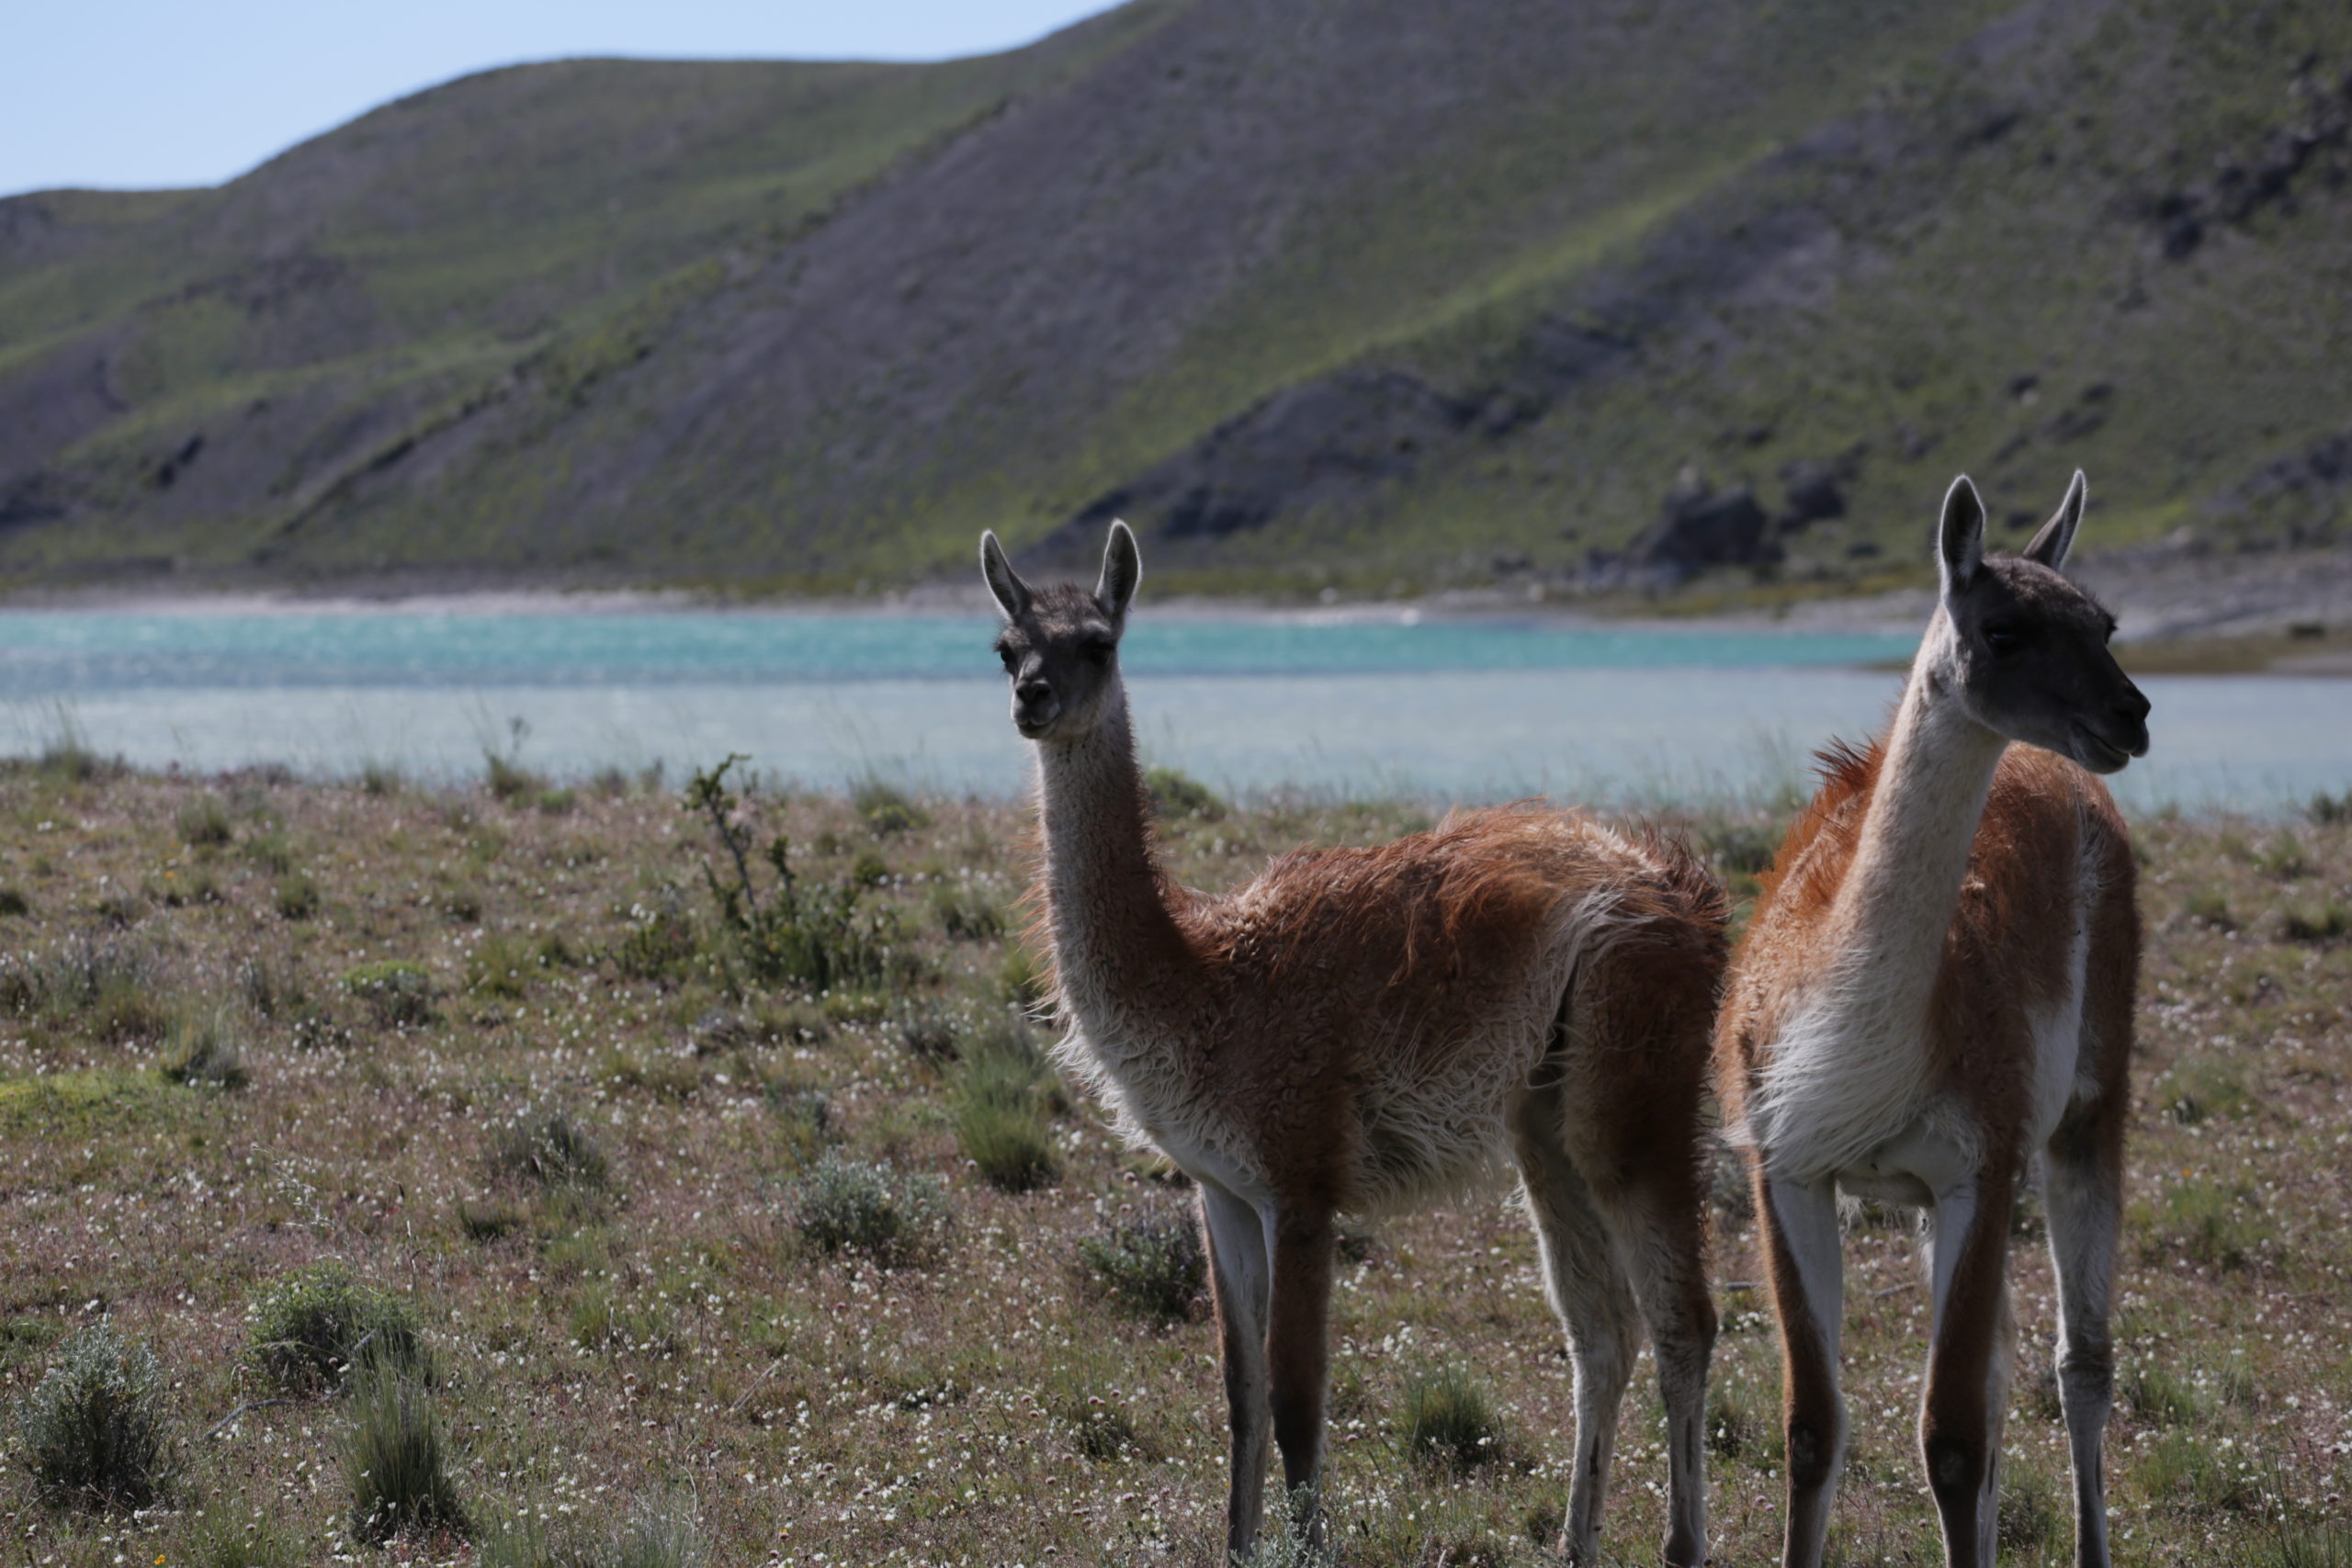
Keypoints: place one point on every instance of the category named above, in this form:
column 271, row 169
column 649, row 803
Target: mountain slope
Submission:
column 1357, row 295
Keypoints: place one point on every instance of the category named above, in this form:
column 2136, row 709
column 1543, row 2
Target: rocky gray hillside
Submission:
column 1367, row 295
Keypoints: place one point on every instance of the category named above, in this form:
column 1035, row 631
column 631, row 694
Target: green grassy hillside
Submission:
column 1356, row 297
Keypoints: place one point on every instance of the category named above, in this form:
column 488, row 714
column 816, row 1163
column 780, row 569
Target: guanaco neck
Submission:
column 1894, row 906
column 1106, row 900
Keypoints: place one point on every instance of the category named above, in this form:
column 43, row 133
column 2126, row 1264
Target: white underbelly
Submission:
column 1926, row 1158
column 1207, row 1163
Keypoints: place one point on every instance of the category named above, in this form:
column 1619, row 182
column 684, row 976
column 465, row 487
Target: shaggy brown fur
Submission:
column 1375, row 1028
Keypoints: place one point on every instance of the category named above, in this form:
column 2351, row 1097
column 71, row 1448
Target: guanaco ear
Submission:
column 1011, row 593
column 2056, row 540
column 1122, row 569
column 1960, row 537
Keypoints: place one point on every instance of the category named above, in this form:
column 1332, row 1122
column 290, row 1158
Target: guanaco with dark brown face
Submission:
column 1934, row 996
column 1372, row 1029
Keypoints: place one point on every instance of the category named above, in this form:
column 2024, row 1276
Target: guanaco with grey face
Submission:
column 1373, row 1030
column 1935, row 996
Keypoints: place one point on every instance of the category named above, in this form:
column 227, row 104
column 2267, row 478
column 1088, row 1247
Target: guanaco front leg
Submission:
column 1967, row 1394
column 1240, row 1277
column 1298, row 1352
column 1806, row 1265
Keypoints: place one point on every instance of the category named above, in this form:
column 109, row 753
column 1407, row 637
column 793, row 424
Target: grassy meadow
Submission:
column 528, row 1175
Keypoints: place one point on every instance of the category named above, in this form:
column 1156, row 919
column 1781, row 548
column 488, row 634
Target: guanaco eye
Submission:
column 1097, row 651
column 1012, row 660
column 2003, row 639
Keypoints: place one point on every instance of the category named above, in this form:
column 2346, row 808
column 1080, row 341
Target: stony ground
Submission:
column 249, row 1025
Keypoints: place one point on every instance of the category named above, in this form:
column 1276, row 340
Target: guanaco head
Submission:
column 1060, row 645
column 2028, row 651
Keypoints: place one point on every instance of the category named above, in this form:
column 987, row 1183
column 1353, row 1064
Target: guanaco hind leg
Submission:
column 2084, row 1194
column 1587, row 1284
column 1657, row 1234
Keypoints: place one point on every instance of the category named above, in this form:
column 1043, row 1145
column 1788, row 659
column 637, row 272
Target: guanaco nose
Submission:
column 1033, row 692
column 2131, row 715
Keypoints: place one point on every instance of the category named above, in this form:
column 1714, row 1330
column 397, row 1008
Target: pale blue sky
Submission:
column 136, row 94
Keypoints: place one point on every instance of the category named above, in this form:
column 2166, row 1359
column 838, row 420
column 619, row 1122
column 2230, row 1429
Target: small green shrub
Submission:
column 103, row 984
column 222, row 1540
column 2326, row 1545
column 558, row 802
column 394, row 1463
column 852, row 1205
column 658, row 1532
column 2330, row 920
column 66, row 756
column 398, row 995
column 1020, row 979
column 203, row 819
column 1445, row 1420
column 1744, row 1422
column 2030, row 1514
column 2207, row 1222
column 315, row 1027
column 175, row 891
column 461, row 901
column 1008, row 1141
column 1288, row 1539
column 2190, row 1473
column 931, row 1035
column 1741, row 848
column 822, row 936
column 312, row 1329
column 1151, row 1263
column 661, row 943
column 269, row 988
column 2202, row 1087
column 599, row 1322
column 381, row 779
column 964, row 913
column 804, row 1127
column 885, row 808
column 998, row 1113
column 1099, row 1429
column 273, row 853
column 204, row 1051
column 295, row 896
column 1177, row 796
column 14, row 903
column 549, row 1149
column 508, row 779
column 94, row 1429
column 502, row 965
column 2209, row 907
column 2285, row 859
column 488, row 1222
column 673, row 1078
column 2159, row 1396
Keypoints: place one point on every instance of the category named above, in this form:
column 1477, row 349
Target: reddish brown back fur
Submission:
column 1385, row 964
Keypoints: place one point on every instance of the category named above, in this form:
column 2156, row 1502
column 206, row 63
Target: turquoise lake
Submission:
column 1447, row 709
